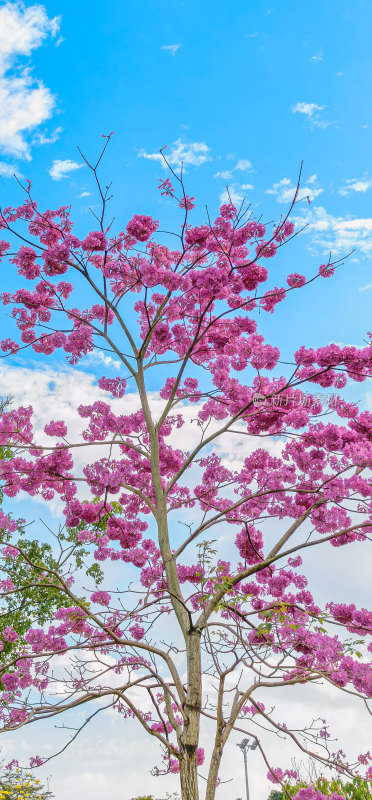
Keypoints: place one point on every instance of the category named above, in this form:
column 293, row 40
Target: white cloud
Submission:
column 232, row 196
column 42, row 138
column 337, row 234
column 23, row 29
column 99, row 357
column 226, row 174
column 56, row 393
column 233, row 449
column 356, row 185
column 284, row 190
column 25, row 103
column 365, row 288
column 243, row 164
column 83, row 194
column 191, row 154
column 61, row 169
column 171, row 48
column 317, row 57
column 312, row 111
column 247, row 187
column 23, row 106
column 8, row 170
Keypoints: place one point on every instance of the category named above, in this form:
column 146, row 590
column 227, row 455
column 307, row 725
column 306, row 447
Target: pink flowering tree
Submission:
column 195, row 636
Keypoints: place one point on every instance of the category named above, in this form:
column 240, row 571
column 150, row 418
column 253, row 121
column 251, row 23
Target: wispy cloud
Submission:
column 83, row 194
column 61, row 169
column 98, row 357
column 317, row 57
column 41, row 138
column 181, row 153
column 25, row 103
column 226, row 174
column 232, row 195
column 284, row 190
column 337, row 234
column 235, row 192
column 313, row 112
column 356, row 185
column 171, row 48
column 8, row 170
column 365, row 288
column 243, row 164
column 310, row 109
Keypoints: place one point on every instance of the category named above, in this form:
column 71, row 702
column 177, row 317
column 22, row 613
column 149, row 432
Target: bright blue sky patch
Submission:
column 240, row 92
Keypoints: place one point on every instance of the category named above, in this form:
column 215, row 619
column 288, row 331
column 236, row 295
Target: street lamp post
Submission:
column 245, row 746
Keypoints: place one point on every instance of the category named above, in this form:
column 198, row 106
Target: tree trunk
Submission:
column 188, row 774
column 188, row 739
column 213, row 772
column 190, row 735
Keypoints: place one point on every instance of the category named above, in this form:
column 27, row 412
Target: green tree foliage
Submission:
column 355, row 789
column 37, row 590
column 21, row 784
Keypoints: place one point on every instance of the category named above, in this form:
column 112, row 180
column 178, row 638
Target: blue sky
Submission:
column 242, row 92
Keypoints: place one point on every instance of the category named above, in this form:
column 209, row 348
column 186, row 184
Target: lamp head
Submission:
column 243, row 744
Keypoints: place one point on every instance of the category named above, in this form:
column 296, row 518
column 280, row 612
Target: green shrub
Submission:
column 356, row 789
column 20, row 784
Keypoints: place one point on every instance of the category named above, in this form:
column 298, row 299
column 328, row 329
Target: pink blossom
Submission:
column 9, row 634
column 326, row 270
column 228, row 211
column 137, row 631
column 8, row 346
column 295, row 279
column 116, row 386
column 187, row 203
column 96, row 240
column 142, row 227
column 166, row 187
column 272, row 298
column 56, row 428
column 277, row 776
column 101, row 597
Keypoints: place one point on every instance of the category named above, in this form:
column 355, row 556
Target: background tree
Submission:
column 24, row 602
column 20, row 784
column 195, row 635
column 322, row 787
